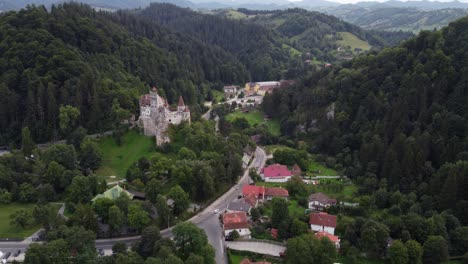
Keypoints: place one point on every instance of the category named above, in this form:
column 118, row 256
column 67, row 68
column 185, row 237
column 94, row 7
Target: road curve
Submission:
column 206, row 219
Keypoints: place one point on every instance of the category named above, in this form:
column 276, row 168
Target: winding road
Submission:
column 206, row 219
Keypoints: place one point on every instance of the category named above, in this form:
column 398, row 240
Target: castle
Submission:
column 155, row 115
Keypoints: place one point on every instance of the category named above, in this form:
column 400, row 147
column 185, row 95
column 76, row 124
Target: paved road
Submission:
column 257, row 247
column 205, row 219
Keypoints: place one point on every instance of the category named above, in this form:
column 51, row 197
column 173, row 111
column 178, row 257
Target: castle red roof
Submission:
column 252, row 189
column 145, row 100
column 322, row 219
column 181, row 101
column 332, row 238
column 276, row 191
column 276, row 170
column 235, row 220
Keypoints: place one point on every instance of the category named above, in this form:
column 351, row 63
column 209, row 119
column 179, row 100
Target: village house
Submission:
column 239, row 206
column 260, row 88
column 272, row 192
column 320, row 221
column 319, row 201
column 276, row 173
column 257, row 191
column 334, row 239
column 113, row 193
column 263, row 193
column 236, row 221
column 251, row 199
column 230, row 90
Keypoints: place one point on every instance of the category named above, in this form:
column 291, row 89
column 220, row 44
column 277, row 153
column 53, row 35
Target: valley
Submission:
column 238, row 132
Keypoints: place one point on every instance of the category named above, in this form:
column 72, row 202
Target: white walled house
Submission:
column 319, row 201
column 236, row 221
column 276, row 173
column 322, row 222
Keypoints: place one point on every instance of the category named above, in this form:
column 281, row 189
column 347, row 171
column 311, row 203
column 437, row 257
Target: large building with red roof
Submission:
column 276, row 173
column 322, row 222
column 236, row 221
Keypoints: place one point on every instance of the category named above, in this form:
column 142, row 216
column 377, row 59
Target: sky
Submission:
column 355, row 1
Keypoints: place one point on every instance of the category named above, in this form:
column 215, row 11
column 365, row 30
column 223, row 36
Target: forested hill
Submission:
column 258, row 48
column 99, row 63
column 318, row 33
column 395, row 18
column 399, row 118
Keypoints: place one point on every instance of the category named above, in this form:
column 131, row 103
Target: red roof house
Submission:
column 257, row 191
column 276, row 173
column 236, row 221
column 251, row 199
column 276, row 192
column 334, row 239
column 322, row 222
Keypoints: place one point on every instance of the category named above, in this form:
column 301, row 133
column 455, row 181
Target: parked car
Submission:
column 101, row 252
column 7, row 255
column 17, row 252
column 239, row 196
column 216, row 211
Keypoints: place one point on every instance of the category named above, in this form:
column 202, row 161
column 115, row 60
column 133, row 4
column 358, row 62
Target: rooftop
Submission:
column 276, row 191
column 322, row 198
column 276, row 170
column 235, row 220
column 113, row 193
column 241, row 206
column 332, row 238
column 252, row 189
column 322, row 219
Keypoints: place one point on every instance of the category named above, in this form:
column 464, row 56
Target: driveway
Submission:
column 257, row 247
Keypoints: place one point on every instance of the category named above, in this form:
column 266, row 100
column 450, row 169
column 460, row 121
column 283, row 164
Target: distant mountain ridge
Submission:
column 396, row 18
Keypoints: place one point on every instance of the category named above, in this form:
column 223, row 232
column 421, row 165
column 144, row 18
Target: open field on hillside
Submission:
column 353, row 41
column 118, row 158
column 256, row 118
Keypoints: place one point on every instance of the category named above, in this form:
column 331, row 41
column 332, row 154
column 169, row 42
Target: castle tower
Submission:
column 181, row 105
column 154, row 98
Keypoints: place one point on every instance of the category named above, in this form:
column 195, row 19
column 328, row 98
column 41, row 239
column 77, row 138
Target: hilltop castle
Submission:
column 155, row 115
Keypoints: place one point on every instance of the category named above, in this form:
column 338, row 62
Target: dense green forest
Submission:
column 98, row 63
column 317, row 33
column 258, row 48
column 395, row 119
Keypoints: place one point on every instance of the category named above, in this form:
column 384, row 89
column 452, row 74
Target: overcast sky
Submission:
column 355, row 1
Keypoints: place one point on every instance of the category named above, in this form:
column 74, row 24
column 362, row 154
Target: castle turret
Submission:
column 154, row 98
column 181, row 105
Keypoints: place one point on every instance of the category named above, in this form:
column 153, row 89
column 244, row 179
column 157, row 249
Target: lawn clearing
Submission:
column 218, row 95
column 117, row 159
column 315, row 168
column 9, row 231
column 256, row 118
column 353, row 41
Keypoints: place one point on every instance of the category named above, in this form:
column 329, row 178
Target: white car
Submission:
column 216, row 211
column 237, row 187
